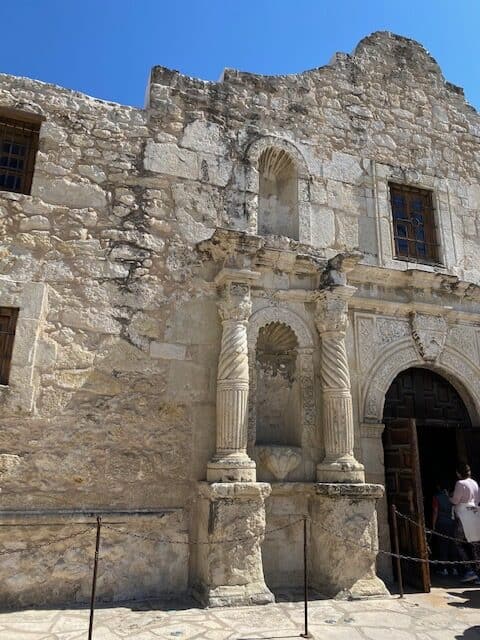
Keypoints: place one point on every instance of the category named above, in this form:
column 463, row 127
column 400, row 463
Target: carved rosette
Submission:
column 231, row 462
column 331, row 317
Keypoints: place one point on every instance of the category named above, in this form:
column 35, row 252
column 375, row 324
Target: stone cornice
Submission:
column 241, row 250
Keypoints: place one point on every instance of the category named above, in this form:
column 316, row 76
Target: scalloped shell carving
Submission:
column 276, row 338
column 275, row 162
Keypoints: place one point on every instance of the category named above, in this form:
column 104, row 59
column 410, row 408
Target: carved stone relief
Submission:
column 464, row 339
column 390, row 330
column 429, row 334
column 365, row 335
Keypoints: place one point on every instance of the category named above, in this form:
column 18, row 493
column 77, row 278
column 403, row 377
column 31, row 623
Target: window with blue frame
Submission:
column 413, row 224
column 18, row 148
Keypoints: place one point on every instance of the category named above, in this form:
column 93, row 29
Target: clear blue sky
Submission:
column 106, row 47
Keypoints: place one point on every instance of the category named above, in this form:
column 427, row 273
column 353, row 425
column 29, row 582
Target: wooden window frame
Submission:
column 7, row 337
column 23, row 128
column 413, row 253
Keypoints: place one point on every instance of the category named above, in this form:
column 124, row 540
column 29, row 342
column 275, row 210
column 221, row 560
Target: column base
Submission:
column 344, row 540
column 237, row 467
column 344, row 470
column 231, row 528
column 253, row 594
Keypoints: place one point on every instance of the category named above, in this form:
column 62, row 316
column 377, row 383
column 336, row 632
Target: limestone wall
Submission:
column 111, row 402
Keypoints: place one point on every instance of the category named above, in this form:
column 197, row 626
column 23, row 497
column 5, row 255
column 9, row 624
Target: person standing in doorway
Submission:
column 466, row 498
column 443, row 523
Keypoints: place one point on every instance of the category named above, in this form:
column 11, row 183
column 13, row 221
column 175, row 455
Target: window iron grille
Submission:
column 414, row 231
column 8, row 323
column 18, row 148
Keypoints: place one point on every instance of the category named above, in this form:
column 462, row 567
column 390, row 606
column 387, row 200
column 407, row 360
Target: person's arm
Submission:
column 434, row 511
column 457, row 494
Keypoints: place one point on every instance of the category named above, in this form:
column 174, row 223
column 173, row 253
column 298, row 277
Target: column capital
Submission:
column 331, row 308
column 234, row 291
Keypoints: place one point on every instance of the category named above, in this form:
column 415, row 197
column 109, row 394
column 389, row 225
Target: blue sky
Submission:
column 107, row 47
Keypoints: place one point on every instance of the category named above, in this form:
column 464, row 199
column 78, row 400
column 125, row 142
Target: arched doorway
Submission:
column 427, row 431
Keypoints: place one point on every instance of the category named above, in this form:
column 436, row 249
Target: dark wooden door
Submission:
column 404, row 490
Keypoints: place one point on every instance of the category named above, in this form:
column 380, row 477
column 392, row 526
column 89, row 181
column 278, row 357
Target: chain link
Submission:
column 200, row 542
column 427, row 530
column 6, row 552
column 338, row 534
column 356, row 544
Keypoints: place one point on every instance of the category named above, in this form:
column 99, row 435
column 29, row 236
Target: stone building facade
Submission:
column 212, row 306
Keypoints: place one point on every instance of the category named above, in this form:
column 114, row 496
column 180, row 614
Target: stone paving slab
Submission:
column 444, row 614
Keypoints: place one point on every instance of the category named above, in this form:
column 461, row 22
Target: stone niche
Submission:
column 278, row 400
column 278, row 194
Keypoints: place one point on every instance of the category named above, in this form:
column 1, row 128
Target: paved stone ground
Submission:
column 444, row 614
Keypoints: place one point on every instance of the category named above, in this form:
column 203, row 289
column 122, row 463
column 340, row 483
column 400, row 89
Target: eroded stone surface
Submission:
column 112, row 398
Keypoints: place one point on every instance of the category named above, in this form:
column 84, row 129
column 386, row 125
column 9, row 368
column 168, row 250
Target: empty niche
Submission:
column 278, row 194
column 278, row 396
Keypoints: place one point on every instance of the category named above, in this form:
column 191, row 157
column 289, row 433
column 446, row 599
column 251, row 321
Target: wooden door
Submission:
column 404, row 490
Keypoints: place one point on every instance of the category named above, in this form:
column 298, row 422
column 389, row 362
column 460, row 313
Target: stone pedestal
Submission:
column 339, row 464
column 344, row 540
column 231, row 530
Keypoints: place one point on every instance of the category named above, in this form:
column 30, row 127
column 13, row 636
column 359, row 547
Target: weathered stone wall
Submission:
column 111, row 402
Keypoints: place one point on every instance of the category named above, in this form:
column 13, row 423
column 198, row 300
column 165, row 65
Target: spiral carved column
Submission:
column 339, row 464
column 231, row 462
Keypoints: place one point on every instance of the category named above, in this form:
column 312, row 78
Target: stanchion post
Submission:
column 305, row 578
column 397, row 549
column 94, row 579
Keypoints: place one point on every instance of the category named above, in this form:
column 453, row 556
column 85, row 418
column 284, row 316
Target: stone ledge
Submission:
column 240, row 490
column 293, row 488
column 359, row 491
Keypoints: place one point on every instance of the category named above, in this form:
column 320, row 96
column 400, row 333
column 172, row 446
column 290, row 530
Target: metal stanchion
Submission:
column 305, row 578
column 94, row 579
column 397, row 549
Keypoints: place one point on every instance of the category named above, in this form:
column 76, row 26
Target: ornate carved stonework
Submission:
column 429, row 334
column 231, row 462
column 390, row 330
column 331, row 317
column 331, row 313
column 235, row 303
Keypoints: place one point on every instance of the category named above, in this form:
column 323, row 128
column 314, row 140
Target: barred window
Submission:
column 18, row 148
column 8, row 323
column 413, row 224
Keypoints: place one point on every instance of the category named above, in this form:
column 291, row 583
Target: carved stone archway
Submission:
column 306, row 347
column 452, row 365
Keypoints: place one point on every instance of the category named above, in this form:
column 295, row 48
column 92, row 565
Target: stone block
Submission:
column 168, row 351
column 231, row 527
column 344, row 540
column 344, row 168
column 169, row 159
column 322, row 227
column 71, row 194
column 204, row 136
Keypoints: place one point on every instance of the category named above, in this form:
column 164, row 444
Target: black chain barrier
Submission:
column 118, row 528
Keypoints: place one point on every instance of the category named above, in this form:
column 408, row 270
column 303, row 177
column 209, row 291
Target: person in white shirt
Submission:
column 466, row 498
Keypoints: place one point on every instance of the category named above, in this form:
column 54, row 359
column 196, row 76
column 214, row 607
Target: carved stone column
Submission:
column 231, row 462
column 339, row 464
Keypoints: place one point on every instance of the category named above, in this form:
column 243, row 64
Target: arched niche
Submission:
column 278, row 411
column 291, row 329
column 277, row 189
column 277, row 194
